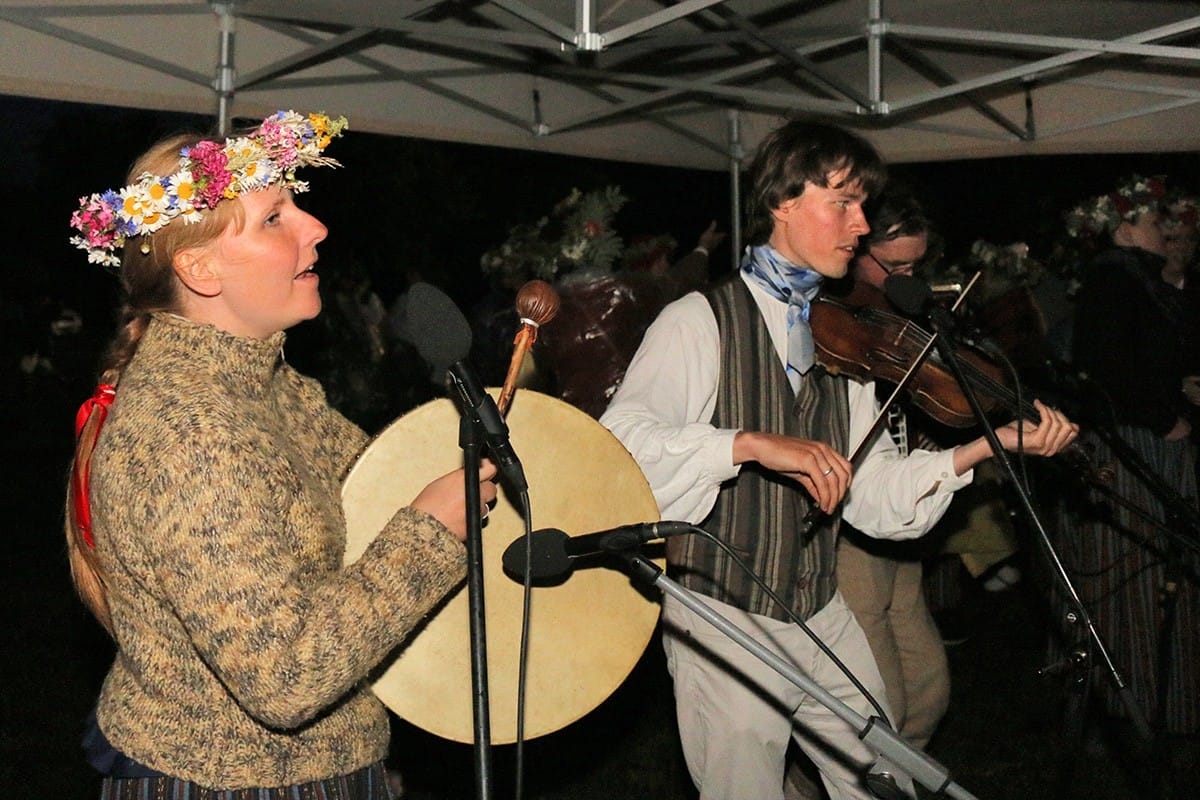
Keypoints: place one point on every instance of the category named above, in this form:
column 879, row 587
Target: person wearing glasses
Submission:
column 880, row 580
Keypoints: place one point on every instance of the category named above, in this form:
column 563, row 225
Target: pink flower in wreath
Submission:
column 209, row 170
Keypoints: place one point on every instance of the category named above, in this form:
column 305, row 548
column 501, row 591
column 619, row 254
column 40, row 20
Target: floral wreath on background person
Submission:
column 1104, row 213
column 1180, row 210
column 209, row 172
column 575, row 238
column 1004, row 268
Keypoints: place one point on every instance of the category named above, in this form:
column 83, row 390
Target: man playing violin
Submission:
column 738, row 433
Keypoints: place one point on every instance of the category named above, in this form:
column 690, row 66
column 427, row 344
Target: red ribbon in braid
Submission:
column 98, row 402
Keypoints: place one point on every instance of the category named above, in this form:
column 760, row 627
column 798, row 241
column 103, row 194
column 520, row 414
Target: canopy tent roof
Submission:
column 691, row 83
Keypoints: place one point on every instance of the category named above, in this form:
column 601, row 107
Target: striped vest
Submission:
column 759, row 514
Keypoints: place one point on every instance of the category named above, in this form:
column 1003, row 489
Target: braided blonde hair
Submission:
column 149, row 284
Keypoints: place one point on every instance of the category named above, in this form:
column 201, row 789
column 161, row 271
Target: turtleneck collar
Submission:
column 237, row 362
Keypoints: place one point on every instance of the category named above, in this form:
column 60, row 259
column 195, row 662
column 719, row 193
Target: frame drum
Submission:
column 586, row 633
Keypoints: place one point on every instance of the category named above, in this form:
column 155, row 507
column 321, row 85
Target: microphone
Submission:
column 915, row 297
column 911, row 295
column 552, row 553
column 484, row 413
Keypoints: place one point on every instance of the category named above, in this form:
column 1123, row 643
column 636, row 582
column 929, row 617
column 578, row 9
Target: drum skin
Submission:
column 586, row 633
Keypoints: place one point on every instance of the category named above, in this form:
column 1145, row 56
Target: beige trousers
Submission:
column 887, row 598
column 736, row 714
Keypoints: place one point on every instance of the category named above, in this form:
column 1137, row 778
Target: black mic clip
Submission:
column 485, row 415
column 914, row 297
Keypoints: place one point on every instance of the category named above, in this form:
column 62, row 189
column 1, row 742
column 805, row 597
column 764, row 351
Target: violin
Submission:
column 860, row 336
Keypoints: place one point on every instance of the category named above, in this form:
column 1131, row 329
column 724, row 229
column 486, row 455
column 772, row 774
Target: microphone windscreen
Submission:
column 910, row 295
column 429, row 320
column 547, row 558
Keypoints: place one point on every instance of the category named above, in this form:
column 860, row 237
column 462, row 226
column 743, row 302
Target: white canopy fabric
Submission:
column 692, row 83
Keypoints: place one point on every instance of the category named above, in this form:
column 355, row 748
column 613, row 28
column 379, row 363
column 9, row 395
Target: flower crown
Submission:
column 576, row 237
column 1003, row 268
column 1181, row 210
column 208, row 173
column 1104, row 214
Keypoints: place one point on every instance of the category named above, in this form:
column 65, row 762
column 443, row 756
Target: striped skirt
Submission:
column 1140, row 590
column 368, row 783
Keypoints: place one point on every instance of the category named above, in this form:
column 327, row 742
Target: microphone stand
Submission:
column 1179, row 526
column 942, row 323
column 895, row 756
column 1178, row 511
column 1101, row 484
column 470, row 439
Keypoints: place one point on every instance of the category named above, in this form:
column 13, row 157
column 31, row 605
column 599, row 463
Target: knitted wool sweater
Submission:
column 243, row 642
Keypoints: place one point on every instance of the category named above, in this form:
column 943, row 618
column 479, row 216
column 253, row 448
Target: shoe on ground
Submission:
column 1006, row 577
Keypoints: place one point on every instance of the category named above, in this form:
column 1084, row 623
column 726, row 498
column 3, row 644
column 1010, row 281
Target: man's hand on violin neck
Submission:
column 1052, row 434
column 823, row 472
column 1049, row 436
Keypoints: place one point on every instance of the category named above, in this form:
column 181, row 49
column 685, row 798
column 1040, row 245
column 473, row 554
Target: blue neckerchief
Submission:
column 796, row 286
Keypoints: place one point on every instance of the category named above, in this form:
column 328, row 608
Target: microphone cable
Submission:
column 824, row 648
column 694, row 529
column 523, row 653
column 1018, row 395
column 527, row 584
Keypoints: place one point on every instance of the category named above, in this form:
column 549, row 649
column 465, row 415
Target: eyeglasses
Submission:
column 904, row 268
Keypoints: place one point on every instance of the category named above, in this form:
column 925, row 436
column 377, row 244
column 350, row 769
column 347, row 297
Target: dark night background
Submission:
column 403, row 208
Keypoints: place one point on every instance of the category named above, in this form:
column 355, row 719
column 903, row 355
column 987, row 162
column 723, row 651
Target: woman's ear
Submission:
column 193, row 266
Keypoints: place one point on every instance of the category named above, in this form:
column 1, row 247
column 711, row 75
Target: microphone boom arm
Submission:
column 875, row 734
